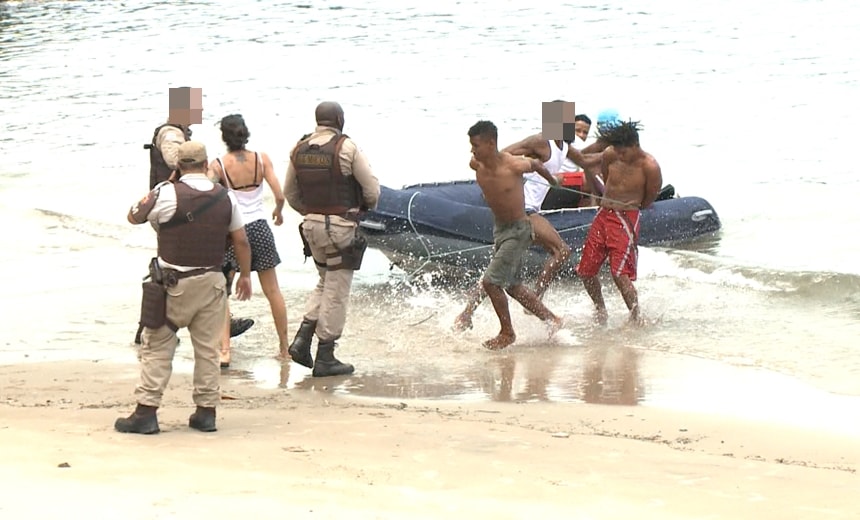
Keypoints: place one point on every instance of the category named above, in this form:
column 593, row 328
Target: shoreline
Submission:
column 674, row 383
column 317, row 453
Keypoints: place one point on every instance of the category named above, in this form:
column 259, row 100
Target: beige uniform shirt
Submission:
column 167, row 141
column 164, row 207
column 352, row 162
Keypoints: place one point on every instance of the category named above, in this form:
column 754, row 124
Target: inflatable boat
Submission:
column 448, row 227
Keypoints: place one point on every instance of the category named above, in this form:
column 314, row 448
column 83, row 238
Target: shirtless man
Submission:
column 633, row 181
column 551, row 155
column 500, row 176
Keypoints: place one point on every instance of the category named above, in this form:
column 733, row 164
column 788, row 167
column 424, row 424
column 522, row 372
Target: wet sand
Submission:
column 311, row 452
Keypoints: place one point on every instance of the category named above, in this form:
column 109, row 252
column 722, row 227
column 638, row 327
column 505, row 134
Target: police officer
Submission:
column 163, row 157
column 164, row 149
column 330, row 182
column 193, row 218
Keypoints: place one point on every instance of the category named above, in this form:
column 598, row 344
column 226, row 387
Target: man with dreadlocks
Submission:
column 632, row 182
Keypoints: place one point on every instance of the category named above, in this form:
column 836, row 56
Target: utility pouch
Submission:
column 353, row 254
column 306, row 247
column 153, row 306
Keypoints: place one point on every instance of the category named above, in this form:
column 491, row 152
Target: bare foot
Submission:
column 499, row 342
column 601, row 317
column 282, row 355
column 554, row 324
column 636, row 320
column 463, row 322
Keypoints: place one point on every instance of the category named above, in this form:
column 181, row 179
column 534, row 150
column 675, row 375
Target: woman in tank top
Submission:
column 243, row 172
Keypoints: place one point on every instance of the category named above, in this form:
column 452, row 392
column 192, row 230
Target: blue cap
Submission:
column 608, row 115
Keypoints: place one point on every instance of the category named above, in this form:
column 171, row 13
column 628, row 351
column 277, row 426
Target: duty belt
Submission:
column 172, row 276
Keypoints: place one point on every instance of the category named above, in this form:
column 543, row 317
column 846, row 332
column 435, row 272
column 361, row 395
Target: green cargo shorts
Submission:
column 510, row 242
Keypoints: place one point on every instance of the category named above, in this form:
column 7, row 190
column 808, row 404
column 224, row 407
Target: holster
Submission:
column 352, row 255
column 153, row 305
column 306, row 247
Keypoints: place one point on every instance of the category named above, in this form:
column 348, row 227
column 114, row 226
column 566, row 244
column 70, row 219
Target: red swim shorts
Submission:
column 614, row 233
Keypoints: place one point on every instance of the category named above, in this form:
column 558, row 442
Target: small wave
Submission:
column 824, row 285
column 96, row 229
column 702, row 268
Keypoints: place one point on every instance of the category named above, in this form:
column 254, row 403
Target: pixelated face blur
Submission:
column 581, row 129
column 482, row 147
column 185, row 106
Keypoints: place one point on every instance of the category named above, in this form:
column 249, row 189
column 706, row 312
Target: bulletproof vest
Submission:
column 322, row 186
column 199, row 241
column 158, row 169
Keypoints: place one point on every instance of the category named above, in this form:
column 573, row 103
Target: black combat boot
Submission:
column 300, row 348
column 239, row 325
column 203, row 419
column 327, row 365
column 143, row 420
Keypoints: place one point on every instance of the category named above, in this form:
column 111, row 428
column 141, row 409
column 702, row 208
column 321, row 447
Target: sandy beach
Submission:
column 309, row 453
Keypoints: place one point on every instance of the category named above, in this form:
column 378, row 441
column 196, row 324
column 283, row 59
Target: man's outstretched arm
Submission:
column 529, row 147
column 533, row 165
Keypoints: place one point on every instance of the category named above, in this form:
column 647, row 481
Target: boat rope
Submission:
column 412, row 224
column 419, row 235
column 430, row 255
column 572, row 190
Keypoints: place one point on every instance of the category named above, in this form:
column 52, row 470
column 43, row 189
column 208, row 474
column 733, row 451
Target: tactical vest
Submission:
column 158, row 169
column 322, row 186
column 201, row 241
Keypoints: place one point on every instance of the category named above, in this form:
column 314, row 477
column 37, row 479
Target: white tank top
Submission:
column 250, row 202
column 536, row 187
column 568, row 165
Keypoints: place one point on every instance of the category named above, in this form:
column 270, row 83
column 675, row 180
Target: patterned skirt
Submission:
column 264, row 254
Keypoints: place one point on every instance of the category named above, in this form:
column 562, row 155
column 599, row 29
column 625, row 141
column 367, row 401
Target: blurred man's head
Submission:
column 185, row 106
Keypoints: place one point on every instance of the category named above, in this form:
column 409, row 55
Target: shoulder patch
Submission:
column 141, row 210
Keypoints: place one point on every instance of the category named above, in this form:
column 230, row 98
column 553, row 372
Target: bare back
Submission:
column 631, row 184
column 246, row 171
column 502, row 183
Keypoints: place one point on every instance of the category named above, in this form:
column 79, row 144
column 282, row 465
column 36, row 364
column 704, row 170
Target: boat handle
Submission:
column 372, row 224
column 701, row 215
